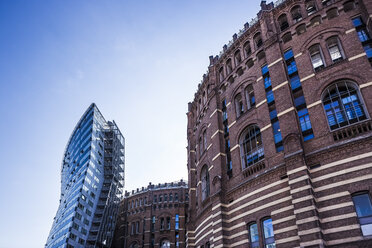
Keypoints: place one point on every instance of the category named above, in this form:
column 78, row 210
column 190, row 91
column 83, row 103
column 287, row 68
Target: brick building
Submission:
column 153, row 217
column 279, row 132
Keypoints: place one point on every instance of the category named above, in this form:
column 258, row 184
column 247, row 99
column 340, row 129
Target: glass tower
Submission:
column 92, row 181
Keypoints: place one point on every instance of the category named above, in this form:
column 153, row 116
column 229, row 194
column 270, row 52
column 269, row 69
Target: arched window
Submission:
column 261, row 55
column 229, row 66
column 310, row 7
column 247, row 49
column 283, row 22
column 258, row 40
column 239, row 106
column 162, row 224
column 205, row 139
column 332, row 13
column 237, row 57
column 220, row 72
column 287, row 37
column 165, row 243
column 334, row 48
column 200, row 146
column 316, row 57
column 301, row 29
column 315, row 21
column 133, row 245
column 249, row 93
column 251, row 148
column 268, row 232
column 205, row 182
column 250, row 63
column 253, row 235
column 349, row 5
column 343, row 105
column 296, row 14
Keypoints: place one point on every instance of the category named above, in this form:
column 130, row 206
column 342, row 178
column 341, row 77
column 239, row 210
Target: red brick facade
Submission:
column 153, row 216
column 268, row 141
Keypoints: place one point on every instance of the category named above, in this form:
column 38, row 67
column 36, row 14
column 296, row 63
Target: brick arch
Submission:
column 322, row 35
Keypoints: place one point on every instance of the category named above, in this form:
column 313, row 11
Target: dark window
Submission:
column 258, row 40
column 205, row 182
column 287, row 37
column 363, row 208
column 332, row 13
column 310, row 7
column 251, row 101
column 343, row 105
column 247, row 48
column 229, row 66
column 315, row 21
column 251, row 148
column 261, row 55
column 283, row 22
column 239, row 106
column 301, row 29
column 296, row 14
column 237, row 57
column 349, row 5
column 250, row 63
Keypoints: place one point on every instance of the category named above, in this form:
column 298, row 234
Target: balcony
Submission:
column 352, row 131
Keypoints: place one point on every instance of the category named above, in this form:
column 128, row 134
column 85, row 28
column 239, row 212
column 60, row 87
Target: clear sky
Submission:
column 139, row 61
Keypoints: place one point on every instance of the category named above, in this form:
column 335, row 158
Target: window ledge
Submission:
column 253, row 169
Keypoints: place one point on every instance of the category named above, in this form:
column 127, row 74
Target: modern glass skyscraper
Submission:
column 92, row 181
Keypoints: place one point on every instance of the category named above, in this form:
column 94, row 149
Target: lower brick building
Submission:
column 153, row 217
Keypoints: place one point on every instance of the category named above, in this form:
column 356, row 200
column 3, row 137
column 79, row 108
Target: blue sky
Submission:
column 139, row 61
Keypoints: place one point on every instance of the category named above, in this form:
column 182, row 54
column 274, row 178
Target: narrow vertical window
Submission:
column 334, row 49
column 310, row 7
column 229, row 66
column 268, row 233
column 253, row 235
column 221, row 75
column 168, row 223
column 296, row 14
column 162, row 224
column 205, row 139
column 239, row 105
column 247, row 49
column 238, row 58
column 283, row 22
column 205, row 182
column 258, row 40
column 316, row 57
column 363, row 208
column 251, row 101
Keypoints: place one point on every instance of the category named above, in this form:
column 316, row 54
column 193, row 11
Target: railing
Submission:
column 352, row 131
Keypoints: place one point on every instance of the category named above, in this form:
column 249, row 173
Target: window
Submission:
column 239, row 71
column 162, row 224
column 343, row 105
column 315, row 21
column 296, row 14
column 251, row 101
column 160, row 198
column 247, row 48
column 363, row 208
column 349, row 5
column 300, row 29
column 165, row 243
column 201, row 150
column 165, row 197
column 253, row 235
column 168, row 223
column 239, row 107
column 332, row 13
column 237, row 57
column 153, row 220
column 155, row 199
column 251, row 146
column 177, row 222
column 250, row 63
column 261, row 55
column 205, row 139
column 258, row 40
column 268, row 233
column 363, row 37
column 137, row 227
column 229, row 66
column 205, row 182
column 132, row 229
column 310, row 7
column 176, row 197
column 220, row 72
column 283, row 22
column 334, row 49
column 287, row 37
column 170, row 197
column 316, row 57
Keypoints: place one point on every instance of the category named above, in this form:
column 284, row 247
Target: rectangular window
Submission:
column 363, row 208
column 253, row 235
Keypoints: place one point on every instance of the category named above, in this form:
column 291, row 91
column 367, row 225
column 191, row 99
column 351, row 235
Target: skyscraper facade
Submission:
column 92, row 181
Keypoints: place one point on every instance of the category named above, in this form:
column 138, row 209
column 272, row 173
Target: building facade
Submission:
column 279, row 131
column 153, row 217
column 92, row 181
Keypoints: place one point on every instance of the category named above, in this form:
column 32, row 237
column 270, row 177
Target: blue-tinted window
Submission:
column 299, row 101
column 267, row 82
column 368, row 49
column 295, row 82
column 288, row 54
column 270, row 96
column 273, row 114
column 253, row 234
column 308, row 137
column 304, row 118
column 363, row 208
column 363, row 35
column 265, row 69
column 292, row 68
column 357, row 22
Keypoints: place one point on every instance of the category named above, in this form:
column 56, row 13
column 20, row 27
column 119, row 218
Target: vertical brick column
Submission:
column 304, row 201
